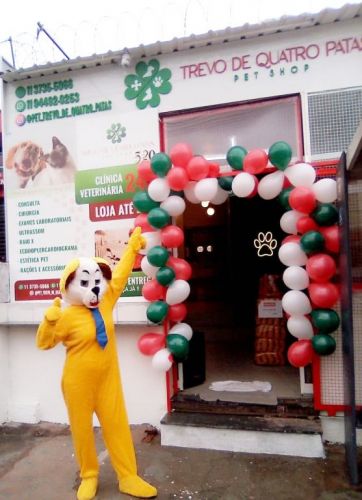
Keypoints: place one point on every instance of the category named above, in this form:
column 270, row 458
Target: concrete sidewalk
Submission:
column 37, row 463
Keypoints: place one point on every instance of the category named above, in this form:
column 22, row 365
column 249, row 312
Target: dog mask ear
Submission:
column 9, row 162
column 69, row 271
column 104, row 267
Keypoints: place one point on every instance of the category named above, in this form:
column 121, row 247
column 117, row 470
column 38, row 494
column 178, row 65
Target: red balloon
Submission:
column 291, row 238
column 144, row 171
column 255, row 162
column 172, row 236
column 177, row 178
column 182, row 268
column 331, row 238
column 152, row 290
column 150, row 343
column 300, row 353
column 214, row 169
column 302, row 199
column 286, row 183
column 323, row 295
column 177, row 312
column 137, row 262
column 197, row 168
column 181, row 154
column 321, row 267
column 305, row 224
column 142, row 221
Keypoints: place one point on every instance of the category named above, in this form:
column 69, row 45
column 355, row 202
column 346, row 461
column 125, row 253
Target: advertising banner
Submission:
column 70, row 176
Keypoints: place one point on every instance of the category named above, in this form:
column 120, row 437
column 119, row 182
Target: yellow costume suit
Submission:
column 91, row 382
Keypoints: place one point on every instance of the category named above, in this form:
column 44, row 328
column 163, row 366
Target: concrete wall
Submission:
column 32, row 378
column 4, row 374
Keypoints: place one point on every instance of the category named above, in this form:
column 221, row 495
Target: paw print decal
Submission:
column 265, row 244
column 147, row 84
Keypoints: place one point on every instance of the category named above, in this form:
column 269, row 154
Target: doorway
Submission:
column 233, row 252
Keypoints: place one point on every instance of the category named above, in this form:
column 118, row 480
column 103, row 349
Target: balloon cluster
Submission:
column 309, row 251
column 311, row 247
column 167, row 176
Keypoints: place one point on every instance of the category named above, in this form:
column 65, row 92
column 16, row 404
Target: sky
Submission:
column 84, row 28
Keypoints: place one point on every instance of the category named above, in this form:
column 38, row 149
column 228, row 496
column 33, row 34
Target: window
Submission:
column 333, row 120
column 211, row 132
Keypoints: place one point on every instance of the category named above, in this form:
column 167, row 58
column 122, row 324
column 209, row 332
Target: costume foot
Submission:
column 137, row 487
column 87, row 489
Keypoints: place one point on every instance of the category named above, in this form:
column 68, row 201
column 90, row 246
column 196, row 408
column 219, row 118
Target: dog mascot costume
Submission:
column 91, row 380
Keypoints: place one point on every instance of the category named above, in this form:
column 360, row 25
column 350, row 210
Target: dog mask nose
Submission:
column 26, row 163
column 96, row 290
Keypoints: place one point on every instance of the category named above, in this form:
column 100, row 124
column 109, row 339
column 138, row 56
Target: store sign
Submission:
column 292, row 60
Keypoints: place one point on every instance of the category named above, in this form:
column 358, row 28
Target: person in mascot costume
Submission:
column 91, row 379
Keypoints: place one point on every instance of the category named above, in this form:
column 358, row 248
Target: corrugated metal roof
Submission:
column 247, row 31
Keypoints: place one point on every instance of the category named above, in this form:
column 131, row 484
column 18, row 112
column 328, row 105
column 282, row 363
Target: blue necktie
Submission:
column 100, row 328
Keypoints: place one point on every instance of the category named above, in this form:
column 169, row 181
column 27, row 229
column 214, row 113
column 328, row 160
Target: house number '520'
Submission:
column 145, row 154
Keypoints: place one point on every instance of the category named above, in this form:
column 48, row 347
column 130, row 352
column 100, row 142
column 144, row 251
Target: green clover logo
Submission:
column 147, row 84
column 116, row 133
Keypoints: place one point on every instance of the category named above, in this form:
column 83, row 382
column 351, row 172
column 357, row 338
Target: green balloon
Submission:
column 143, row 202
column 312, row 241
column 157, row 256
column 284, row 198
column 225, row 182
column 280, row 154
column 161, row 164
column 158, row 218
column 165, row 275
column 325, row 214
column 326, row 320
column 157, row 311
column 178, row 345
column 235, row 157
column 323, row 344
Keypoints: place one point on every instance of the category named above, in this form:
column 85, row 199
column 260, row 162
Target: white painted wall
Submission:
column 4, row 373
column 35, row 378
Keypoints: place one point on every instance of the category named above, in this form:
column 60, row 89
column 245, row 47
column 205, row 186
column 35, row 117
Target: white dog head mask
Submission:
column 84, row 281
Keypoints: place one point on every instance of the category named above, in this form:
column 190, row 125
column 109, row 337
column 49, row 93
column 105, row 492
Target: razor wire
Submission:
column 146, row 23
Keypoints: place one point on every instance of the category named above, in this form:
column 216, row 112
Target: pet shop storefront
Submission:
column 235, row 297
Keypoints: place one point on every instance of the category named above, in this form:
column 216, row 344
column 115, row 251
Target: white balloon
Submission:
column 271, row 185
column 288, row 221
column 296, row 278
column 291, row 254
column 181, row 329
column 300, row 327
column 206, row 189
column 295, row 302
column 301, row 174
column 148, row 268
column 159, row 189
column 177, row 292
column 174, row 205
column 243, row 185
column 152, row 239
column 189, row 192
column 162, row 360
column 220, row 197
column 325, row 190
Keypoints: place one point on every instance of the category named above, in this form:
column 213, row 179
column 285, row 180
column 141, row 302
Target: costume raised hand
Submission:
column 91, row 379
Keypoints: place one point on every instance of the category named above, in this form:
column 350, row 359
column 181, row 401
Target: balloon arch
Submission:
column 309, row 251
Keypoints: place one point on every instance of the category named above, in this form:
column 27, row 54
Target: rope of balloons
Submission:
column 309, row 251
